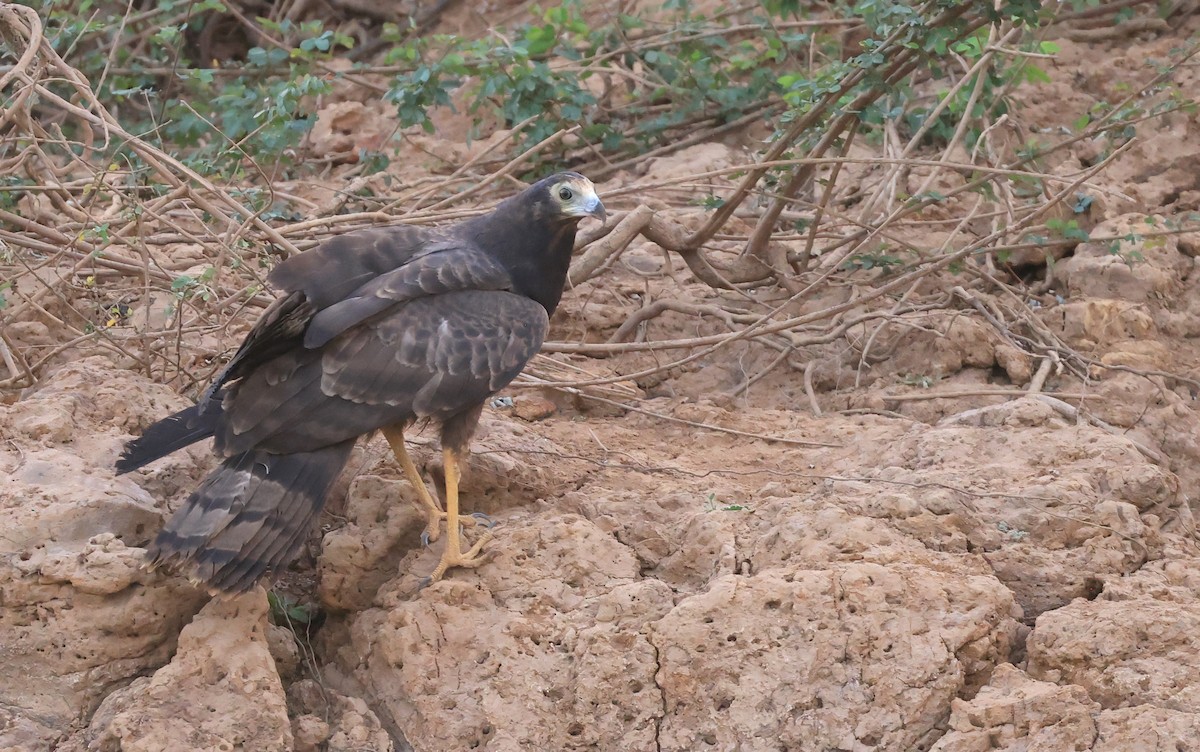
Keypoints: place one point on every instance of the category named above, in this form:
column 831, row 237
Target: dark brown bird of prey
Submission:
column 376, row 329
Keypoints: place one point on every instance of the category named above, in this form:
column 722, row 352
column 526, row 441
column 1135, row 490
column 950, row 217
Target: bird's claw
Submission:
column 484, row 519
column 475, row 519
column 454, row 557
column 467, row 559
column 432, row 530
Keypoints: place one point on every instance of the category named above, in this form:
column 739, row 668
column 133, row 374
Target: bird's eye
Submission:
column 565, row 193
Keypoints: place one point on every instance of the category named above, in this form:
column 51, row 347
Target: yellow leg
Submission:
column 433, row 511
column 454, row 556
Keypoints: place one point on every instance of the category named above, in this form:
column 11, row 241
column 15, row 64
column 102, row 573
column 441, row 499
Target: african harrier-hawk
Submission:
column 377, row 329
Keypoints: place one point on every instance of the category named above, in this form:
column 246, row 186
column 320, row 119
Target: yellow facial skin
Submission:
column 577, row 197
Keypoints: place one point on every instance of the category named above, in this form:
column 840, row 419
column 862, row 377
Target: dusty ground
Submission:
column 897, row 573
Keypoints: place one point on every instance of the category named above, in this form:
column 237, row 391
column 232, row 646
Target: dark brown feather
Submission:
column 430, row 358
column 448, row 268
column 252, row 499
column 280, row 329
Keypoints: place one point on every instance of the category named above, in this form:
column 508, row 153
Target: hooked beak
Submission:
column 593, row 208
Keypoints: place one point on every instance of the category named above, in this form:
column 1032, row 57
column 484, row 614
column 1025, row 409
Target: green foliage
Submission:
column 712, row 505
column 10, row 190
column 558, row 72
column 985, row 93
column 1068, row 229
column 628, row 97
column 217, row 114
column 186, row 287
column 287, row 612
column 626, row 84
column 553, row 70
column 867, row 261
column 919, row 380
column 937, row 116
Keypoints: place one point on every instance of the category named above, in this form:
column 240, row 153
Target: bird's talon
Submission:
column 468, row 559
column 425, row 538
column 483, row 519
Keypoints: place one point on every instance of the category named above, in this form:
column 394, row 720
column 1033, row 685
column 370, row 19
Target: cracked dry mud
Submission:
column 949, row 575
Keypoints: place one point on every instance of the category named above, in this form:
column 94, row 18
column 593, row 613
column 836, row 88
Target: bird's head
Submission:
column 568, row 196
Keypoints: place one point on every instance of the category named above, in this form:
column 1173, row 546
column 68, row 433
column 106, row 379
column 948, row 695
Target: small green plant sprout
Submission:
column 867, row 261
column 918, row 380
column 1067, row 229
column 286, row 612
column 712, row 505
column 187, row 287
column 116, row 315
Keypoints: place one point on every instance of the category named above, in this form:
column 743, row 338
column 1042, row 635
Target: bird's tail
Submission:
column 249, row 516
column 169, row 434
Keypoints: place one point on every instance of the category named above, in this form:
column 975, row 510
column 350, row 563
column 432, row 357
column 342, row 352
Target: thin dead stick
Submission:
column 906, row 61
column 862, row 361
column 1099, row 10
column 750, row 382
column 262, row 33
column 417, row 197
column 604, row 253
column 505, row 171
column 903, row 281
column 673, row 419
column 1074, row 413
column 1121, row 30
column 784, row 143
column 959, row 394
column 31, row 49
column 613, row 348
column 1064, row 350
column 10, row 354
column 657, row 308
column 808, row 387
column 758, row 113
column 822, row 206
column 967, row 168
column 1043, row 372
column 978, row 72
column 165, row 165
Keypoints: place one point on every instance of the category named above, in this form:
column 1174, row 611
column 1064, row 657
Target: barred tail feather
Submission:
column 249, row 516
column 168, row 435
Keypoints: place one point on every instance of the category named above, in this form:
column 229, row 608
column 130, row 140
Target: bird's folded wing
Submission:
column 279, row 330
column 350, row 278
column 431, row 357
column 342, row 264
column 443, row 353
column 447, row 268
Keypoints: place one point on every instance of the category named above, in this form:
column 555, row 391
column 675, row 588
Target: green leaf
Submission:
column 540, row 39
column 1036, row 75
